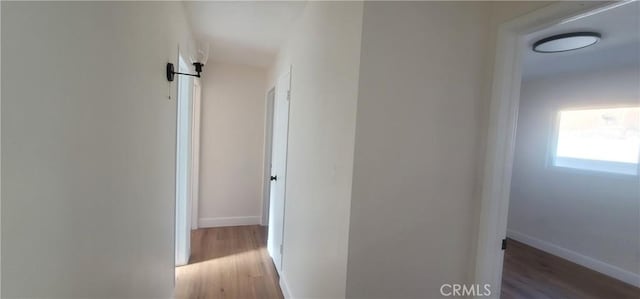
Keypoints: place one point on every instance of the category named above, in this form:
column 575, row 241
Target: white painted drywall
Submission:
column 422, row 112
column 324, row 52
column 592, row 214
column 421, row 77
column 88, row 149
column 0, row 162
column 232, row 144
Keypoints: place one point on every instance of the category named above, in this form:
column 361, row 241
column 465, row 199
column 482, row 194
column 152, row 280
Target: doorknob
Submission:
column 274, row 178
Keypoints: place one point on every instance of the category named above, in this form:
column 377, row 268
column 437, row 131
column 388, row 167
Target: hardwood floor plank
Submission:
column 228, row 262
column 532, row 273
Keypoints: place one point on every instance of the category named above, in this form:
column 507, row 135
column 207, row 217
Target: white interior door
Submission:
column 278, row 169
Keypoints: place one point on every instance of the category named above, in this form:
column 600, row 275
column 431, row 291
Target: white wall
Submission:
column 425, row 76
column 324, row 50
column 0, row 164
column 232, row 144
column 88, row 149
column 422, row 112
column 419, row 107
column 596, row 215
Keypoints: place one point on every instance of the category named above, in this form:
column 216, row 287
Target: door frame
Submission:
column 505, row 98
column 196, row 103
column 182, row 221
column 268, row 146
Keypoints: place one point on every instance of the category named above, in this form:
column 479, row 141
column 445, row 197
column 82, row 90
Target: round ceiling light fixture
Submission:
column 566, row 42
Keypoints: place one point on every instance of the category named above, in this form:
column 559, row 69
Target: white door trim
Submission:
column 268, row 144
column 505, row 98
column 183, row 165
column 195, row 152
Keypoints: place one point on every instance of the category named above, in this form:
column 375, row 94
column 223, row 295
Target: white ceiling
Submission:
column 246, row 32
column 619, row 46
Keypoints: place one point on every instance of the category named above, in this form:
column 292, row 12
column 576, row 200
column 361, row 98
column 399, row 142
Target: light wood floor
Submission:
column 228, row 262
column 531, row 273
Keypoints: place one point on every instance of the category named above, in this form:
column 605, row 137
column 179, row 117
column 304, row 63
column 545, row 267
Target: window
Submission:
column 606, row 140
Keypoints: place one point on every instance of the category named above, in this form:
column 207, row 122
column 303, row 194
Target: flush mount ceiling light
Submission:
column 566, row 42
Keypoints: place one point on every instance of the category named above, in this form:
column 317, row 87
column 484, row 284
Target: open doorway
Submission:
column 574, row 225
column 561, row 183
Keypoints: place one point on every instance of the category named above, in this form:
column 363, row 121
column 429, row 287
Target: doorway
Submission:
column 574, row 177
column 501, row 164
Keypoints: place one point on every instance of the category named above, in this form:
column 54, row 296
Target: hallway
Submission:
column 228, row 262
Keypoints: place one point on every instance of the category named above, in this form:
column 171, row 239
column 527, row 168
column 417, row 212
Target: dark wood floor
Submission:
column 531, row 273
column 228, row 262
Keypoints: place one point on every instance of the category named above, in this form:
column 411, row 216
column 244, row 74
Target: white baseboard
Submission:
column 263, row 221
column 583, row 260
column 228, row 221
column 286, row 292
